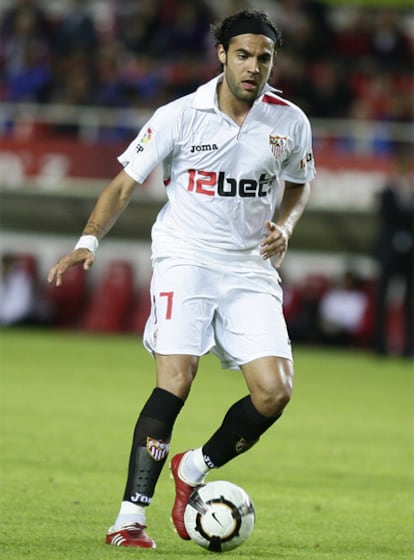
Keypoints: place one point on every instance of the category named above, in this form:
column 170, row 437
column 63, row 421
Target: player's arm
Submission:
column 111, row 203
column 293, row 203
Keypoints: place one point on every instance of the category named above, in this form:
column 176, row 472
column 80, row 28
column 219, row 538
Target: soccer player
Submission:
column 235, row 154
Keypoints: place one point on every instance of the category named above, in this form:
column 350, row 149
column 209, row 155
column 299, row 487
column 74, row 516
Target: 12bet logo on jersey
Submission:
column 211, row 183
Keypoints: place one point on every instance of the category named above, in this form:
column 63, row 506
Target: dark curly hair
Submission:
column 221, row 30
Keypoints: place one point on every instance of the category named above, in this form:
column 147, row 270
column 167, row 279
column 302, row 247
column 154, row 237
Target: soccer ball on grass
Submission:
column 219, row 516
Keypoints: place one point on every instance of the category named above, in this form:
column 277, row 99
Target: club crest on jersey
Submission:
column 157, row 448
column 277, row 144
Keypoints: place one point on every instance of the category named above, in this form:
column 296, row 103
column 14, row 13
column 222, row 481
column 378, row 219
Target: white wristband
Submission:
column 89, row 242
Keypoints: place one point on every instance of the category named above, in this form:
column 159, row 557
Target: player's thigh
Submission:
column 183, row 304
column 251, row 325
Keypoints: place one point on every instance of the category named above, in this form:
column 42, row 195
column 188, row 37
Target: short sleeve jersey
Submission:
column 222, row 180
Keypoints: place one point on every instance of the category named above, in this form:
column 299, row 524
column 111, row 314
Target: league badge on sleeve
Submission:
column 146, row 137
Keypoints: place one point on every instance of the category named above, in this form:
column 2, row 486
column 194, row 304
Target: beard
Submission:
column 242, row 90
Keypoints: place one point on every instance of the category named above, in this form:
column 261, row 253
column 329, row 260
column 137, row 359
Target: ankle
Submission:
column 193, row 468
column 129, row 513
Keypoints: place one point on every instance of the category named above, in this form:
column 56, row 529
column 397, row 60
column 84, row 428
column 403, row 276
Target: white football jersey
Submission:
column 222, row 180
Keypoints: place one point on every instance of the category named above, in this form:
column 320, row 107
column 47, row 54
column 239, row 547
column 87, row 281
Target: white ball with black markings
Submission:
column 219, row 516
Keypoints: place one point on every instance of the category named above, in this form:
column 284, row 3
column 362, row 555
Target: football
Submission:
column 219, row 516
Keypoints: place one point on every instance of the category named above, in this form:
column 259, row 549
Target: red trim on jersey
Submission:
column 273, row 100
column 167, row 182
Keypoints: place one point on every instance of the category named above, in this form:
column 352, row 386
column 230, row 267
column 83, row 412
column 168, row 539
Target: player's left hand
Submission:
column 275, row 243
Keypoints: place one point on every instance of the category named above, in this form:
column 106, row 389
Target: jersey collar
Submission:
column 206, row 95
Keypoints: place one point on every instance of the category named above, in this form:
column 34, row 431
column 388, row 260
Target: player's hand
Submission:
column 275, row 243
column 76, row 257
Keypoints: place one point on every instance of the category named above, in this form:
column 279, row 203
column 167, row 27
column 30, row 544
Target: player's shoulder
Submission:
column 175, row 107
column 202, row 98
column 271, row 100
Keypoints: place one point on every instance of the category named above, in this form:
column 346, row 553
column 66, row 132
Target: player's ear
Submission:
column 221, row 53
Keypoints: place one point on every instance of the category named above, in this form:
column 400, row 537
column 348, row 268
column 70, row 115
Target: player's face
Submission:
column 247, row 64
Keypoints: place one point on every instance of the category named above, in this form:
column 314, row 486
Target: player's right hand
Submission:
column 76, row 257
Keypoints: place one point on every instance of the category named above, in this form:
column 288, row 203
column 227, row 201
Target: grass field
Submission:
column 333, row 480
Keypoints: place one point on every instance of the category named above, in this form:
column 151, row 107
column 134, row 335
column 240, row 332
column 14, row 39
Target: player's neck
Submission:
column 234, row 108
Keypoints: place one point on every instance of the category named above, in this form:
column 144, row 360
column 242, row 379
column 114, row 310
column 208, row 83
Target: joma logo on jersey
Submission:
column 211, row 183
column 203, row 148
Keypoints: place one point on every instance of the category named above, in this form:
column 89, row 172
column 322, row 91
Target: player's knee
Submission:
column 176, row 374
column 282, row 397
column 284, row 386
column 271, row 398
column 274, row 401
column 270, row 381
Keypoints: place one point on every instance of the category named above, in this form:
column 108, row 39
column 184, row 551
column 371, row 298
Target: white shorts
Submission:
column 237, row 314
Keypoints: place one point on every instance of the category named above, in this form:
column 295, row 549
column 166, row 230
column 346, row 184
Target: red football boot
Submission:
column 132, row 534
column 183, row 491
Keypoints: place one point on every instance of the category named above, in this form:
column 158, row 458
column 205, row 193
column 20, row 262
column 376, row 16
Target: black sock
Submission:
column 241, row 429
column 150, row 445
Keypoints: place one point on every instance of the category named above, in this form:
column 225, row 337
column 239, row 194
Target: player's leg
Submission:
column 152, row 434
column 250, row 332
column 270, row 381
column 379, row 335
column 150, row 446
column 408, row 300
column 177, row 331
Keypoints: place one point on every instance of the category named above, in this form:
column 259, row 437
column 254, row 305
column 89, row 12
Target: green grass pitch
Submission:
column 333, row 480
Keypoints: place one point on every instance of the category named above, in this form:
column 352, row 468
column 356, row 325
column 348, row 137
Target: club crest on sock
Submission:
column 242, row 445
column 157, row 448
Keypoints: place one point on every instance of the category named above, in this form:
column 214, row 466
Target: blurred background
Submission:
column 79, row 79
